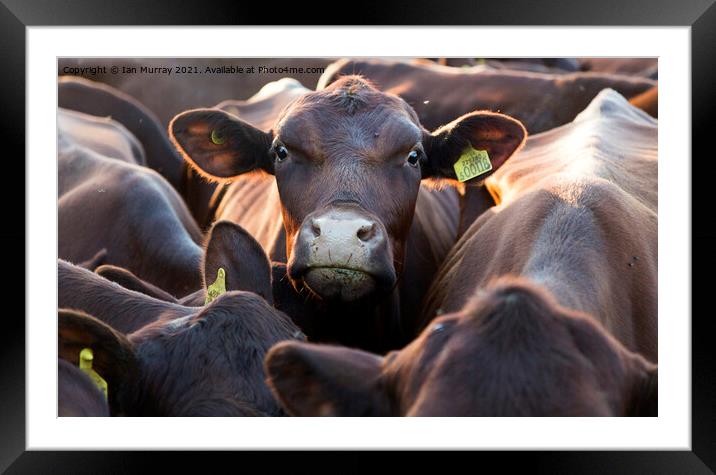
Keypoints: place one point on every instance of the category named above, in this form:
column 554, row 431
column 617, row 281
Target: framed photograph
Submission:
column 453, row 216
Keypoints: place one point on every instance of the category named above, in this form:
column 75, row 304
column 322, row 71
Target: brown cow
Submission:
column 570, row 324
column 101, row 100
column 438, row 94
column 164, row 359
column 512, row 351
column 129, row 211
column 102, row 134
column 77, row 395
column 348, row 163
column 577, row 213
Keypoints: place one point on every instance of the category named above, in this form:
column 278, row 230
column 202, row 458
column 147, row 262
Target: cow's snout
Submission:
column 346, row 229
column 343, row 253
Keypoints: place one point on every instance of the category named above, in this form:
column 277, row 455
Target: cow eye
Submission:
column 281, row 153
column 413, row 158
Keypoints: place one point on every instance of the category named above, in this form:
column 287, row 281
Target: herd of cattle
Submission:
column 322, row 252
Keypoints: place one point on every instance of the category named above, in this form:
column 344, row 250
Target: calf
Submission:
column 348, row 163
column 131, row 212
column 102, row 100
column 165, row 359
column 511, row 351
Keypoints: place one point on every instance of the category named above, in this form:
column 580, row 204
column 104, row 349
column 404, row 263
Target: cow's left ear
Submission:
column 499, row 135
column 324, row 380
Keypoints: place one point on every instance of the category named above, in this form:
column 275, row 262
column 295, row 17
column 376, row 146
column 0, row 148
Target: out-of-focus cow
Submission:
column 163, row 359
column 439, row 93
column 129, row 211
column 97, row 99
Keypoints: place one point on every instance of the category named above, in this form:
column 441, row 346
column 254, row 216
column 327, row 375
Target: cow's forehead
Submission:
column 377, row 129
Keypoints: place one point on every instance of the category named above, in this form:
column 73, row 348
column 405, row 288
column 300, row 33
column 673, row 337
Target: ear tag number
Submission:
column 86, row 357
column 216, row 138
column 472, row 163
column 217, row 288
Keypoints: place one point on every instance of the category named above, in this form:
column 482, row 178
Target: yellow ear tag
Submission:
column 472, row 163
column 216, row 138
column 86, row 357
column 217, row 288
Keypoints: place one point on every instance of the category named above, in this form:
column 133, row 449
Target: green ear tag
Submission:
column 86, row 357
column 472, row 163
column 216, row 138
column 217, row 288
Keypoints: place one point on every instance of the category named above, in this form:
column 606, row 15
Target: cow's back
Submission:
column 439, row 94
column 129, row 211
column 577, row 213
column 102, row 134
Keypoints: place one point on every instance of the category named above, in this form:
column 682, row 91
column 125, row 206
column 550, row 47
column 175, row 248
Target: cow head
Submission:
column 208, row 363
column 348, row 162
column 512, row 351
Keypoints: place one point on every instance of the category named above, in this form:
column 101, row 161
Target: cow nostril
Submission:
column 366, row 233
column 315, row 229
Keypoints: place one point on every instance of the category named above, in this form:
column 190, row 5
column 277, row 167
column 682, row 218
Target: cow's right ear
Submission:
column 113, row 359
column 325, row 380
column 219, row 144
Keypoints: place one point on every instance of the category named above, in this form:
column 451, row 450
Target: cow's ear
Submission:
column 113, row 354
column 633, row 377
column 472, row 135
column 220, row 145
column 246, row 266
column 324, row 380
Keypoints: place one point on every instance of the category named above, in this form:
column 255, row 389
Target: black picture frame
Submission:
column 17, row 15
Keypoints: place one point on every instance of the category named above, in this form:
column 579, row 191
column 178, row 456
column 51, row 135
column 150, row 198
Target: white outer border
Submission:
column 670, row 430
